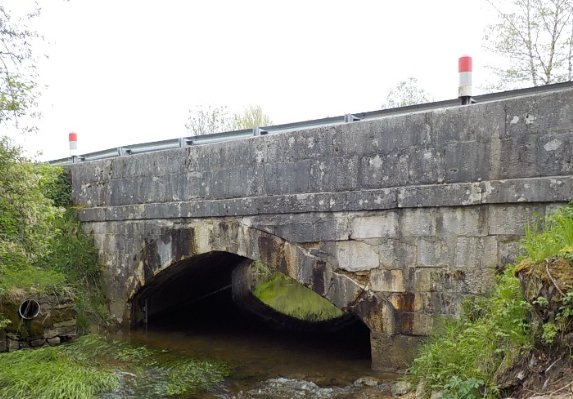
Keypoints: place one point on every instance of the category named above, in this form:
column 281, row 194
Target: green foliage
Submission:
column 26, row 215
column 458, row 388
column 17, row 73
column 4, row 322
column 89, row 366
column 33, row 279
column 287, row 296
column 486, row 339
column 56, row 185
column 159, row 372
column 42, row 246
column 550, row 332
column 251, row 117
column 51, row 373
column 566, row 310
column 554, row 239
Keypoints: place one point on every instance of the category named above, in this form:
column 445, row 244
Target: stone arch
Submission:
column 206, row 237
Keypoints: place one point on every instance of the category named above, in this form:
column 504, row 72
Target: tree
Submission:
column 406, row 92
column 535, row 40
column 251, row 117
column 207, row 119
column 17, row 72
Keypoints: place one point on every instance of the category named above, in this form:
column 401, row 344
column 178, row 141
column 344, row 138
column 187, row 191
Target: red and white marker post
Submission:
column 73, row 137
column 465, row 88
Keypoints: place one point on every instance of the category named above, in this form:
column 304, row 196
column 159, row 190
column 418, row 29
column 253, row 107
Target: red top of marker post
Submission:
column 73, row 136
column 465, row 64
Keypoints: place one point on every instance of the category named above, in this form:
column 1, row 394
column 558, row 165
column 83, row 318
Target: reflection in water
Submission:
column 266, row 363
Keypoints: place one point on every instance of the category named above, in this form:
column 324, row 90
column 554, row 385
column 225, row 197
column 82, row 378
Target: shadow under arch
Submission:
column 207, row 252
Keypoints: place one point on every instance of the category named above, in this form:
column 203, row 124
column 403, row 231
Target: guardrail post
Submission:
column 257, row 131
column 350, row 118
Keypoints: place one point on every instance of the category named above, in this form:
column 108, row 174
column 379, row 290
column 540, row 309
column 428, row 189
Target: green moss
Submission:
column 291, row 298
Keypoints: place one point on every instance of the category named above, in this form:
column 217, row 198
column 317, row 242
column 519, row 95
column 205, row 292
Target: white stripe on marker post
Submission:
column 73, row 144
column 465, row 70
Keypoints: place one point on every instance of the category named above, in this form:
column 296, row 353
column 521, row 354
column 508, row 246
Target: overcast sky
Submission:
column 121, row 72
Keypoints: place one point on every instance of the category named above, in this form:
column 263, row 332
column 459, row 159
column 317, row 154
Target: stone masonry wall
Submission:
column 416, row 210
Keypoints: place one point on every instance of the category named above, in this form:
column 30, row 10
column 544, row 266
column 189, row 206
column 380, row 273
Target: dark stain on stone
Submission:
column 318, row 277
column 405, row 305
column 459, row 275
column 405, row 302
column 406, row 322
column 282, row 267
column 181, row 243
column 151, row 259
column 266, row 250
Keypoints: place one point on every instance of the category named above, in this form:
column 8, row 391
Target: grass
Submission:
column 51, row 373
column 287, row 296
column 465, row 356
column 554, row 239
column 92, row 365
column 486, row 340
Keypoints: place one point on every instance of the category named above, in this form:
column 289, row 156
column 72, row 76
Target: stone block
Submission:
column 336, row 174
column 520, row 157
column 426, row 166
column 409, row 301
column 393, row 353
column 418, row 222
column 356, row 256
column 387, row 281
column 287, row 178
column 442, row 279
column 467, row 161
column 476, row 252
column 432, row 253
column 61, row 331
column 385, row 170
column 462, row 221
column 396, row 254
column 37, row 343
column 12, row 344
column 554, row 153
column 512, row 219
column 415, row 323
column 384, row 225
column 54, row 341
column 508, row 251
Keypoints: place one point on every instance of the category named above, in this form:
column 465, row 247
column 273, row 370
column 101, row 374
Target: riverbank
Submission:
column 517, row 341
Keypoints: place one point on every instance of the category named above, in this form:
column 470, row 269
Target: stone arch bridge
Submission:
column 395, row 219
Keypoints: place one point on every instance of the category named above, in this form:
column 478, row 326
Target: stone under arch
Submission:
column 181, row 246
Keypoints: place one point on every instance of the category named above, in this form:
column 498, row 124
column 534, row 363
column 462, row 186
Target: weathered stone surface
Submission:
column 387, row 281
column 415, row 210
column 401, row 388
column 356, row 256
column 53, row 341
column 382, row 226
column 37, row 342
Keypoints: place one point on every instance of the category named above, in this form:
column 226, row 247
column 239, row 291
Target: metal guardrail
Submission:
column 289, row 127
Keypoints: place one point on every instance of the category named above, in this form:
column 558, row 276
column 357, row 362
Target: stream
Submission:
column 269, row 364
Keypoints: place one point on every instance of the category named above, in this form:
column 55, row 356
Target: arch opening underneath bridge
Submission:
column 207, row 294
